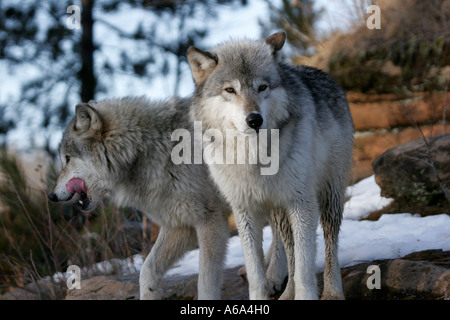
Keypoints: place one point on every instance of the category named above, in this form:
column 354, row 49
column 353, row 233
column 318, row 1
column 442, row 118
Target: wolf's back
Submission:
column 327, row 95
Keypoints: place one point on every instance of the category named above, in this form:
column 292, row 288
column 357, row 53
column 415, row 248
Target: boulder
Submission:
column 176, row 287
column 406, row 174
column 420, row 275
column 104, row 288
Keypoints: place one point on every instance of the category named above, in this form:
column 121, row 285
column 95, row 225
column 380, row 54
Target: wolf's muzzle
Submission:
column 254, row 120
column 53, row 197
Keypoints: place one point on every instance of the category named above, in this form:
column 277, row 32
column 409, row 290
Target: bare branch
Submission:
column 444, row 108
column 124, row 34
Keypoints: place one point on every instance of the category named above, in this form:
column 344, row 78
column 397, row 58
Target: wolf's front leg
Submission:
column 170, row 245
column 212, row 237
column 304, row 220
column 281, row 225
column 250, row 232
column 275, row 261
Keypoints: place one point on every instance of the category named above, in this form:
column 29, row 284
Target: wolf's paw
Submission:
column 150, row 294
column 289, row 291
column 242, row 272
column 335, row 296
column 275, row 279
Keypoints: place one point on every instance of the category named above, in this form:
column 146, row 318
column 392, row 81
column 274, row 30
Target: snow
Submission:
column 392, row 236
column 365, row 198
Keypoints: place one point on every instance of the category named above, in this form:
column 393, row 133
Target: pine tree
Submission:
column 65, row 66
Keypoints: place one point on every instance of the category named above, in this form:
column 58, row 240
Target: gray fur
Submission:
column 315, row 146
column 123, row 147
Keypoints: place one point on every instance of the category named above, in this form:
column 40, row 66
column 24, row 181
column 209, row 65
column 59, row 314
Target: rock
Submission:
column 405, row 174
column 104, row 288
column 370, row 145
column 421, row 275
column 175, row 287
column 391, row 113
column 392, row 124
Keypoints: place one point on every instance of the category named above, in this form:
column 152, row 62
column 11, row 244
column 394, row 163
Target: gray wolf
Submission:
column 242, row 85
column 123, row 147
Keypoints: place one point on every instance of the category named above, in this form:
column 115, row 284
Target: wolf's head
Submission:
column 238, row 85
column 98, row 147
column 81, row 171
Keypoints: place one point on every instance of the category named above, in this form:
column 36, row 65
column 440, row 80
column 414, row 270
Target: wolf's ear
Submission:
column 202, row 63
column 276, row 41
column 87, row 118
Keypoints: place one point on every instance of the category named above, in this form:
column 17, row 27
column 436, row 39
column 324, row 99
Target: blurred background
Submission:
column 49, row 63
column 396, row 79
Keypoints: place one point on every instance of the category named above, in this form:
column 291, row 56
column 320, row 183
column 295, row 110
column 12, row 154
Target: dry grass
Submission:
column 411, row 51
column 39, row 238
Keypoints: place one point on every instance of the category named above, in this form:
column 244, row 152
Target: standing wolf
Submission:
column 124, row 147
column 240, row 85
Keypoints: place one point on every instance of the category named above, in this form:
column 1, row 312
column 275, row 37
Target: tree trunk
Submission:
column 86, row 74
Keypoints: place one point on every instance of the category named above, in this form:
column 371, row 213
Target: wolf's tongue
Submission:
column 75, row 185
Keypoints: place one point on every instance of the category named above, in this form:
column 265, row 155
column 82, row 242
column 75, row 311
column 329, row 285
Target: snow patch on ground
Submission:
column 392, row 236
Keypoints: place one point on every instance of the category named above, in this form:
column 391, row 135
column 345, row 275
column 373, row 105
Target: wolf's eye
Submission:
column 230, row 90
column 262, row 87
column 67, row 159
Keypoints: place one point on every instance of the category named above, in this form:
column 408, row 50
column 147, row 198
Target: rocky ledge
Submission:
column 419, row 275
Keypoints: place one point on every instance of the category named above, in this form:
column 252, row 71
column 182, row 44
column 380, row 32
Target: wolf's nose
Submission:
column 53, row 197
column 254, row 120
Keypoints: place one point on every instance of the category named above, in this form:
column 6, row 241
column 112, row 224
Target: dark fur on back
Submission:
column 327, row 95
